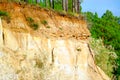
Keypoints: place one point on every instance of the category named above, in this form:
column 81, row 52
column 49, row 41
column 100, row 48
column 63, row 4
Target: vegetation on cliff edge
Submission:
column 107, row 28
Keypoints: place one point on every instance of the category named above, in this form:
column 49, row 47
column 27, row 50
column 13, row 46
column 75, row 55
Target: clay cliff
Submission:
column 58, row 50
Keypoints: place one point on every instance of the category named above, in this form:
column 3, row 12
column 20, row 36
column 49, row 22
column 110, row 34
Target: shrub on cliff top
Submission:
column 3, row 13
column 44, row 22
column 29, row 19
column 32, row 24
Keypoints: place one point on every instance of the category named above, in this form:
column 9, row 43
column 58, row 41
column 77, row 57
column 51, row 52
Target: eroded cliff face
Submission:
column 61, row 52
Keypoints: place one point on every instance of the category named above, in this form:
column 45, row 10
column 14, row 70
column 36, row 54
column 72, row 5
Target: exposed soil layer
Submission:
column 51, row 24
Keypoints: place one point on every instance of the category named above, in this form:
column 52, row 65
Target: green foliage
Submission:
column 70, row 5
column 46, row 4
column 47, row 26
column 60, row 28
column 29, row 19
column 3, row 13
column 44, row 22
column 32, row 24
column 58, row 5
column 108, row 16
column 104, row 58
column 108, row 29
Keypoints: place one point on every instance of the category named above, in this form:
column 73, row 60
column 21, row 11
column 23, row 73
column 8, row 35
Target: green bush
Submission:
column 104, row 58
column 29, row 19
column 5, row 16
column 107, row 28
column 32, row 24
column 44, row 22
column 3, row 13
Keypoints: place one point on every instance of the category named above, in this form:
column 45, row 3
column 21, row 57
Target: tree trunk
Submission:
column 78, row 6
column 37, row 1
column 73, row 5
column 66, row 5
column 50, row 3
column 47, row 3
column 25, row 0
column 63, row 4
column 53, row 4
